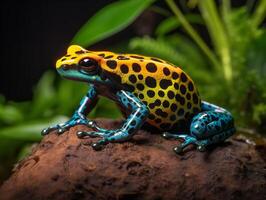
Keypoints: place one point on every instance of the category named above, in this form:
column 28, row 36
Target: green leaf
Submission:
column 240, row 33
column 218, row 35
column 105, row 108
column 110, row 20
column 10, row 114
column 171, row 23
column 30, row 131
column 256, row 59
column 69, row 94
column 44, row 96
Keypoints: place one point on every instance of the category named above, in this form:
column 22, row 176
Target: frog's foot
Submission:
column 61, row 128
column 209, row 127
column 187, row 140
column 107, row 137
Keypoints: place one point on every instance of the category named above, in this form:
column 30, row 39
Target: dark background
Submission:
column 35, row 33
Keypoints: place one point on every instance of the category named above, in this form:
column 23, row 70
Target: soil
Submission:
column 65, row 167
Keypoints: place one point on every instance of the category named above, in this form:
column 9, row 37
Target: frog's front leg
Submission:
column 79, row 117
column 211, row 126
column 130, row 126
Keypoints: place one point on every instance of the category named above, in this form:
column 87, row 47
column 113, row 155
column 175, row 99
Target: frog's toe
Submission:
column 82, row 134
column 178, row 149
column 201, row 148
column 167, row 135
column 97, row 146
column 48, row 130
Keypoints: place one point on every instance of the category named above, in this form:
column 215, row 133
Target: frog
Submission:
column 150, row 92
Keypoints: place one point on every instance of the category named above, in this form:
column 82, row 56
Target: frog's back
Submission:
column 167, row 90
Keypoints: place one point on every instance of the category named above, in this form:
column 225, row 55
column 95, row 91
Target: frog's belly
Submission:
column 170, row 108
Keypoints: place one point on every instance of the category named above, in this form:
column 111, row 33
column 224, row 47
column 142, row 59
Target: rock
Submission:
column 65, row 167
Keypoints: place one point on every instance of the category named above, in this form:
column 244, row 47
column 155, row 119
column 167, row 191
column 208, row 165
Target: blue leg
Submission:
column 212, row 125
column 130, row 126
column 79, row 116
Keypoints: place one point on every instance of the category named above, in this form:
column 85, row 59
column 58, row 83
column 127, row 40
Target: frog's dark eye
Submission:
column 86, row 62
column 88, row 65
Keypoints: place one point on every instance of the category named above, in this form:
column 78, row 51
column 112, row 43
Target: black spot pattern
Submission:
column 173, row 107
column 150, row 93
column 189, row 105
column 124, row 69
column 190, row 86
column 183, row 77
column 63, row 59
column 141, row 96
column 111, row 64
column 80, row 52
column 166, row 104
column 132, row 78
column 170, row 94
column 101, row 55
column 176, row 85
column 136, row 67
column 164, row 83
column 175, row 75
column 180, row 99
column 157, row 102
column 140, row 86
column 150, row 82
column 107, row 57
column 129, row 87
column 195, row 98
column 157, row 60
column 151, row 67
column 161, row 113
column 188, row 96
column 183, row 89
column 161, row 93
column 137, row 57
column 140, row 76
column 151, row 105
column 122, row 58
column 166, row 71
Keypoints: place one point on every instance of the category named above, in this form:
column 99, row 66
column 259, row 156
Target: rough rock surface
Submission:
column 65, row 167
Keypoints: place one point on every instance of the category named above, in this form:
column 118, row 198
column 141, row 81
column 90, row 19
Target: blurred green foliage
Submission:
column 231, row 72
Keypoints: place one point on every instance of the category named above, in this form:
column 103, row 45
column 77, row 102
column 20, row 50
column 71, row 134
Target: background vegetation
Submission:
column 229, row 69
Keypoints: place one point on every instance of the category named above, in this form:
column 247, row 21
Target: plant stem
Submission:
column 260, row 13
column 218, row 34
column 193, row 34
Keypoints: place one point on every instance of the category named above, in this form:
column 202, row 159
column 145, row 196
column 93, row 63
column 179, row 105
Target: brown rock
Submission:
column 65, row 167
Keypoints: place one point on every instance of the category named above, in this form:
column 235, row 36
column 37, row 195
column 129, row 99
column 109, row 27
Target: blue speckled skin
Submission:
column 212, row 125
column 130, row 126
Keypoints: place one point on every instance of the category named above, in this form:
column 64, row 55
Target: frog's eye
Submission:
column 88, row 65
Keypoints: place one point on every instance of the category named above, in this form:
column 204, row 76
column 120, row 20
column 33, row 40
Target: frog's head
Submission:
column 80, row 64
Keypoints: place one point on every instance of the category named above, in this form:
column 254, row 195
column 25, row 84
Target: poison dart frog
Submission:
column 149, row 91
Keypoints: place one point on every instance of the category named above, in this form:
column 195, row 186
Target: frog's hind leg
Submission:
column 211, row 126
